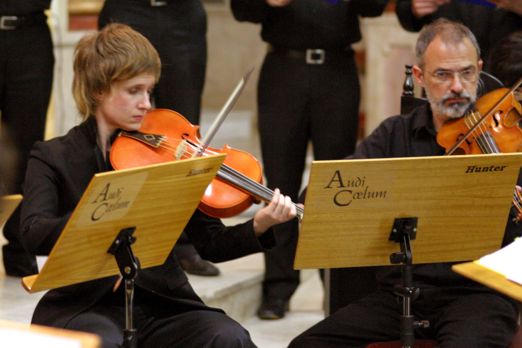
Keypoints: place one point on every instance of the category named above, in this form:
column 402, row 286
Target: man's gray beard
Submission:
column 455, row 110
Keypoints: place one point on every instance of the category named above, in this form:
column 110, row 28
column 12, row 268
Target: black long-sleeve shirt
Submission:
column 327, row 24
column 23, row 7
column 489, row 25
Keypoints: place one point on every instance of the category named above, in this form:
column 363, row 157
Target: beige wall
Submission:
column 233, row 49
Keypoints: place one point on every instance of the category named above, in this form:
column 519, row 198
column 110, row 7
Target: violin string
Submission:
column 235, row 176
column 518, row 207
column 268, row 192
column 240, row 178
column 518, row 200
column 484, row 140
column 487, row 145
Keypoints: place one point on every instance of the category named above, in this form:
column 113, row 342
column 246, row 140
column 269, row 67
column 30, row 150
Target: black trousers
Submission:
column 26, row 74
column 459, row 318
column 160, row 324
column 299, row 103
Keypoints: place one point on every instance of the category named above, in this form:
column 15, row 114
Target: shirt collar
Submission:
column 422, row 124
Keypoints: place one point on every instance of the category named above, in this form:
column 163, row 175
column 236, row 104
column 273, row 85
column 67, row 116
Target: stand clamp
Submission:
column 405, row 230
column 129, row 266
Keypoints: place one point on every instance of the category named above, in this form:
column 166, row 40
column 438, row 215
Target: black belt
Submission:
column 311, row 55
column 17, row 22
column 157, row 3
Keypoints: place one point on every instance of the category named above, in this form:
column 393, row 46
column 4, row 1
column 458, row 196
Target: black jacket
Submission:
column 58, row 173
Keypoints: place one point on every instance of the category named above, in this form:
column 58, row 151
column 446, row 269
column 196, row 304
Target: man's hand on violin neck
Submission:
column 280, row 209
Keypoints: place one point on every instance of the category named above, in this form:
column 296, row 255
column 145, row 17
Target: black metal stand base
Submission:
column 129, row 266
column 404, row 230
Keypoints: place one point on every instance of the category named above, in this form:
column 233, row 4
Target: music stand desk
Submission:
column 489, row 278
column 461, row 203
column 156, row 200
column 434, row 209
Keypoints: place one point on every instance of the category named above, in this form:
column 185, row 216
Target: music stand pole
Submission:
column 129, row 266
column 404, row 230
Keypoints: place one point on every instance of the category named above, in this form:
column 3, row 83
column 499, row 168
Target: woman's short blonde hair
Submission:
column 114, row 54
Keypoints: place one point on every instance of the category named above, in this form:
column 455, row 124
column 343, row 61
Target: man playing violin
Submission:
column 115, row 71
column 461, row 313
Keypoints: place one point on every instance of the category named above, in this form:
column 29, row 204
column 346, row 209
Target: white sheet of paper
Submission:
column 506, row 261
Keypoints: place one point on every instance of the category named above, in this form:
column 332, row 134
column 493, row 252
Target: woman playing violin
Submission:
column 115, row 72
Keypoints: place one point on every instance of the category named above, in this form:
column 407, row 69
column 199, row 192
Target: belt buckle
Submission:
column 315, row 56
column 157, row 3
column 4, row 25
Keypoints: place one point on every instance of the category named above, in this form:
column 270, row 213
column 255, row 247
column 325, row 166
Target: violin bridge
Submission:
column 180, row 150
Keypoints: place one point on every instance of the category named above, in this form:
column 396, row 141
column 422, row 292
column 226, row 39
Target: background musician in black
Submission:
column 26, row 75
column 308, row 91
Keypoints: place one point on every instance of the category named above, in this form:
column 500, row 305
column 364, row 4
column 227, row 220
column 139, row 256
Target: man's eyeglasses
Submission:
column 442, row 76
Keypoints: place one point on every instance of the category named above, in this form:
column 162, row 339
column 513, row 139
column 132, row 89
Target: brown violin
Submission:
column 498, row 132
column 165, row 135
column 493, row 127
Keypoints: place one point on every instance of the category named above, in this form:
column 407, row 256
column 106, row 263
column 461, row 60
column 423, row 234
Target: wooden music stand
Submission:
column 8, row 205
column 453, row 209
column 145, row 207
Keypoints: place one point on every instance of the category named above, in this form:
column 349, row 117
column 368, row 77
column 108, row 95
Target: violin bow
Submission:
column 486, row 115
column 205, row 142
